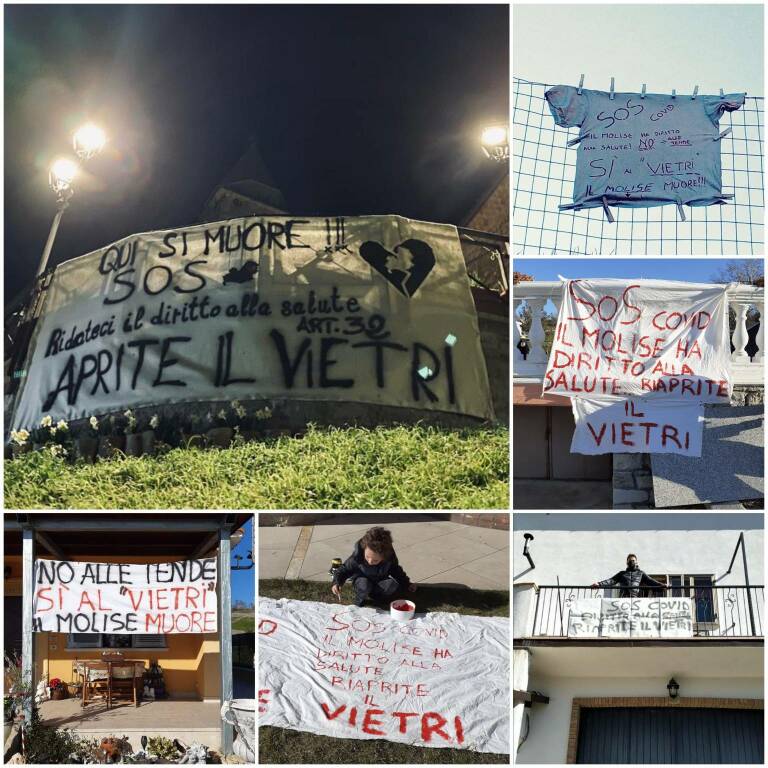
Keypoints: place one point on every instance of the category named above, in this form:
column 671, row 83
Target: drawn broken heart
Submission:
column 406, row 266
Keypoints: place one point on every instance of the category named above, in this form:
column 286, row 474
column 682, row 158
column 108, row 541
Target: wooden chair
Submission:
column 95, row 680
column 123, row 682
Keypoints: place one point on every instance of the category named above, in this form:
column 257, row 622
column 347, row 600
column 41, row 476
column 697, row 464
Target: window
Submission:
column 76, row 641
column 698, row 588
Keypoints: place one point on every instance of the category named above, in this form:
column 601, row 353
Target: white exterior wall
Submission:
column 547, row 740
column 573, row 670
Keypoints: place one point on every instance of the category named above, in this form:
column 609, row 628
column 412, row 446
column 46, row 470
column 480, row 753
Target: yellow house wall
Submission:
column 190, row 662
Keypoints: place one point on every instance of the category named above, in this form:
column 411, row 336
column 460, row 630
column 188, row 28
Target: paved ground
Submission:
column 562, row 494
column 431, row 552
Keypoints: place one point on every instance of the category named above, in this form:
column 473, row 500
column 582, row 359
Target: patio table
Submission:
column 82, row 669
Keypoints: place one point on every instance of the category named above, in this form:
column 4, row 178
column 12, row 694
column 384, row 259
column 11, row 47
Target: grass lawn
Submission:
column 244, row 623
column 412, row 467
column 281, row 745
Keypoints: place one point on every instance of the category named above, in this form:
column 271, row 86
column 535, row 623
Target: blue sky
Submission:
column 692, row 270
column 666, row 46
column 244, row 582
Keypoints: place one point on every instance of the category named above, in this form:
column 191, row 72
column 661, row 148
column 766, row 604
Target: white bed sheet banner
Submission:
column 125, row 599
column 439, row 680
column 631, row 617
column 610, row 425
column 370, row 309
column 638, row 358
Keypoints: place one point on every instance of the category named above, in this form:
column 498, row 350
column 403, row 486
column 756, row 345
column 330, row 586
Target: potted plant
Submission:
column 222, row 431
column 148, row 435
column 88, row 440
column 133, row 439
column 111, row 436
column 58, row 689
column 7, row 717
column 43, row 433
column 20, row 442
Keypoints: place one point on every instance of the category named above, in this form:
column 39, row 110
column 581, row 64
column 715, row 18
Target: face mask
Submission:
column 631, row 566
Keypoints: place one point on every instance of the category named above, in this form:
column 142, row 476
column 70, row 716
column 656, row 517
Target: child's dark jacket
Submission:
column 355, row 566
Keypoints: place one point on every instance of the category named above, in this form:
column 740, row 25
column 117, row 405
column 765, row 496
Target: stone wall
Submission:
column 632, row 481
column 632, row 475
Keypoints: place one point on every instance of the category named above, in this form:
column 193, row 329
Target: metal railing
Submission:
column 486, row 255
column 535, row 295
column 718, row 611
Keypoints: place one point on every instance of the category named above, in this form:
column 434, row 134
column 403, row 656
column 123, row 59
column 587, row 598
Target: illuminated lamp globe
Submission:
column 62, row 174
column 495, row 142
column 88, row 140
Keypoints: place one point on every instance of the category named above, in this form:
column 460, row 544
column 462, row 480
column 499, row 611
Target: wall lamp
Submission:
column 526, row 554
column 673, row 687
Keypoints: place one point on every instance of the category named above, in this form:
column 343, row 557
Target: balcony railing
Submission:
column 718, row 611
column 535, row 295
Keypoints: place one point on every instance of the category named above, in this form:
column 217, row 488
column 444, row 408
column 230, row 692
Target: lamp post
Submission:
column 495, row 142
column 87, row 142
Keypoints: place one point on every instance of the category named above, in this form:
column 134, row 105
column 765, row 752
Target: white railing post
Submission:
column 740, row 336
column 760, row 338
column 517, row 355
column 536, row 335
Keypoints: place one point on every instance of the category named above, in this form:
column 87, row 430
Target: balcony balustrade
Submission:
column 718, row 611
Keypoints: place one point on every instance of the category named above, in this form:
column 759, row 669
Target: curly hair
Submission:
column 378, row 540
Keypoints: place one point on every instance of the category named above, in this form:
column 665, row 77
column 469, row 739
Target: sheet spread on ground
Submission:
column 439, row 680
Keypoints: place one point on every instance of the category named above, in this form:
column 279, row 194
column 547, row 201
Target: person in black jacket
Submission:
column 372, row 568
column 630, row 580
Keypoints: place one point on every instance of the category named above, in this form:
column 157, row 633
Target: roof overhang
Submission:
column 70, row 535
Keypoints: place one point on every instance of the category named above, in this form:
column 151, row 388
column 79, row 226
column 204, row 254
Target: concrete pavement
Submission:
column 430, row 551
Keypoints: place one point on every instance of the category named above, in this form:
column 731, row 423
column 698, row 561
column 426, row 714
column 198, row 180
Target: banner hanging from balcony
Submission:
column 439, row 680
column 631, row 617
column 125, row 599
column 638, row 358
column 372, row 309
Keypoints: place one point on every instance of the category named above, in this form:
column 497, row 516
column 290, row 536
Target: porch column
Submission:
column 27, row 590
column 225, row 633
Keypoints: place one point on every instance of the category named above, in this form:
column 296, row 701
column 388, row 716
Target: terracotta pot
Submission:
column 220, row 437
column 86, row 446
column 110, row 446
column 57, row 694
column 148, row 442
column 133, row 444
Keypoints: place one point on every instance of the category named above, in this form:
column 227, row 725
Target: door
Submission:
column 541, row 438
column 666, row 735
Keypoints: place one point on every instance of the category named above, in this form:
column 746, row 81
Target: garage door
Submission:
column 542, row 447
column 665, row 735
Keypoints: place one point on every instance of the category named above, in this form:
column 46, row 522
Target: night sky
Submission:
column 356, row 109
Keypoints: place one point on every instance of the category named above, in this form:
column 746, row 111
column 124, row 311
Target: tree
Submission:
column 521, row 277
column 747, row 271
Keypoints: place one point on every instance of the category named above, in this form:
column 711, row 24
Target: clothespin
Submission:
column 680, row 210
column 581, row 85
column 674, row 93
column 695, row 91
column 721, row 94
column 642, row 93
column 611, row 89
column 607, row 210
column 723, row 134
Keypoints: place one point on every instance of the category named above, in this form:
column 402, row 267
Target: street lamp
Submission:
column 87, row 141
column 495, row 142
